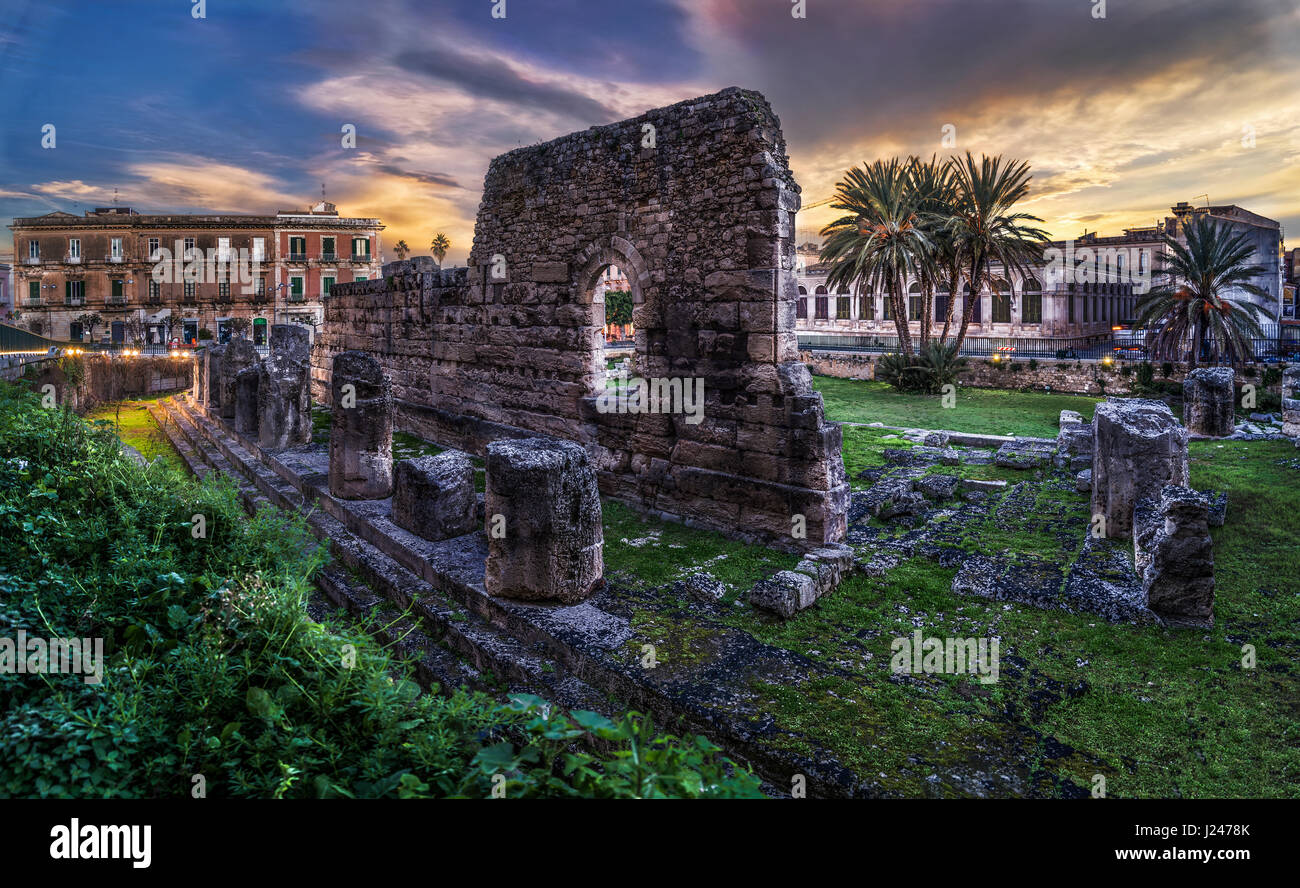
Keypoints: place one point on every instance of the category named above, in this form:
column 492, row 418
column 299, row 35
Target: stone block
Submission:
column 433, row 496
column 545, row 538
column 785, row 593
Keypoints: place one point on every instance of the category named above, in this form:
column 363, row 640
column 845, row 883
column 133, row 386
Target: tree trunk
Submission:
column 900, row 318
column 927, row 309
column 976, row 287
column 954, row 287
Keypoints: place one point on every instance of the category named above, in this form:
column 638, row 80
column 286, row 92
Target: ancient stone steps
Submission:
column 435, row 666
column 440, row 619
column 575, row 655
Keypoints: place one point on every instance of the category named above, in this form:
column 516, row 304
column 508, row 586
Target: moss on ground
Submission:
column 136, row 427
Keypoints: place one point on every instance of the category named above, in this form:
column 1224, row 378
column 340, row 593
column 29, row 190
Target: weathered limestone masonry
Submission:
column 1138, row 448
column 702, row 224
column 543, row 521
column 361, row 437
column 1291, row 402
column 1208, row 402
column 284, row 391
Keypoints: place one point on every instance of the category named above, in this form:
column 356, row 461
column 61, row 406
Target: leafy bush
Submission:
column 1166, row 369
column 1272, row 376
column 212, row 666
column 928, row 372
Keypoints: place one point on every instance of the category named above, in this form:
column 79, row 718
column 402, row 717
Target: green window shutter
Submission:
column 67, row 289
column 117, row 289
column 34, row 290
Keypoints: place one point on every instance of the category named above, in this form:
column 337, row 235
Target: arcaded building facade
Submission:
column 1081, row 290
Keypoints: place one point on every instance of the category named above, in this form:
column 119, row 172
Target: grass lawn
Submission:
column 982, row 411
column 135, row 426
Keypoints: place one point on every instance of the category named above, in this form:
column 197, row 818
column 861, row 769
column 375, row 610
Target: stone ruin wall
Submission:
column 702, row 224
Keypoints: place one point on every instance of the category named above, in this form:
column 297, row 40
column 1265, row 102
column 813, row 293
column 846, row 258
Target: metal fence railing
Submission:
column 1281, row 342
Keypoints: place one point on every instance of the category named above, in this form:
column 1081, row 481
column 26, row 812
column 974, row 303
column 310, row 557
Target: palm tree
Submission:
column 881, row 241
column 1191, row 308
column 984, row 226
column 401, row 249
column 440, row 246
column 931, row 184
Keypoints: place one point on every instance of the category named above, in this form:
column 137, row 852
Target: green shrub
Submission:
column 1033, row 363
column 1167, row 369
column 1272, row 376
column 212, row 666
column 929, row 371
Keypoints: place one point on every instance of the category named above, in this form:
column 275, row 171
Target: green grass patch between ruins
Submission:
column 976, row 410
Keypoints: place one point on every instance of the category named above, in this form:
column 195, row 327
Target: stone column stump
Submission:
column 1208, row 402
column 543, row 520
column 1138, row 448
column 433, row 496
column 361, row 433
column 246, row 395
column 210, row 375
column 238, row 356
column 284, row 390
column 1174, row 555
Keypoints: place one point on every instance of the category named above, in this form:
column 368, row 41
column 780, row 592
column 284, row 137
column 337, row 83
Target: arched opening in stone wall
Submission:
column 609, row 282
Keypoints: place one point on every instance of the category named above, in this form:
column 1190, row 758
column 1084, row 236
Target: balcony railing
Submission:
column 297, row 297
column 361, row 257
column 74, row 301
column 331, row 256
column 116, row 300
column 297, row 257
column 72, row 260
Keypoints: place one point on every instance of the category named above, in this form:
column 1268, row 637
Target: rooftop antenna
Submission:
column 1207, row 199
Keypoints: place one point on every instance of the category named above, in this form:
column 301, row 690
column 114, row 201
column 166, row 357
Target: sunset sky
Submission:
column 1119, row 117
